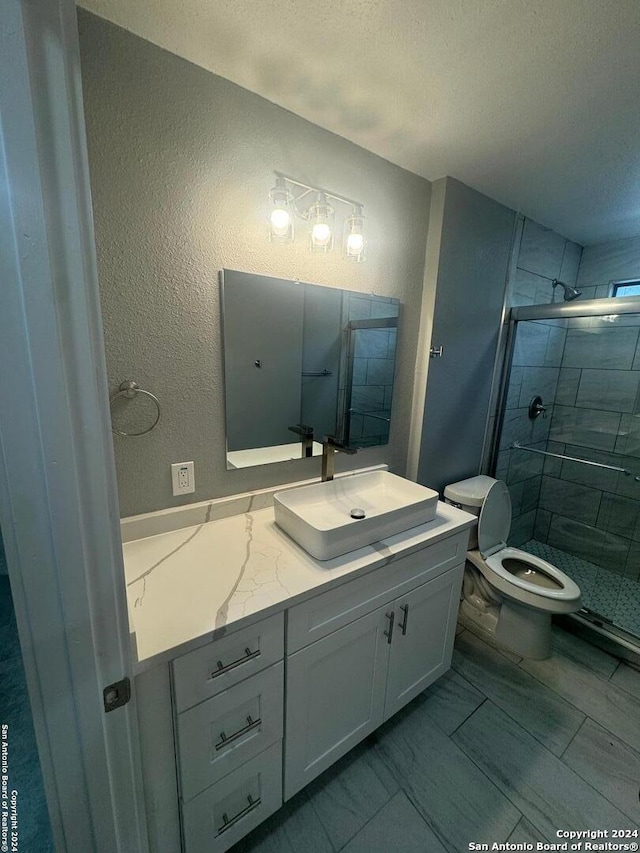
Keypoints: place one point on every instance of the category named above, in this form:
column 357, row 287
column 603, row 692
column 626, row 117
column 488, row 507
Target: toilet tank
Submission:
column 469, row 495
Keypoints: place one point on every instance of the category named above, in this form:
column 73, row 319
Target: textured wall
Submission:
column 181, row 165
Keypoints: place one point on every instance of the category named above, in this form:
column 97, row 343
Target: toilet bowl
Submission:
column 508, row 593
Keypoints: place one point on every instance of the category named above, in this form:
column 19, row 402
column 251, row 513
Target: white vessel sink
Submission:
column 318, row 517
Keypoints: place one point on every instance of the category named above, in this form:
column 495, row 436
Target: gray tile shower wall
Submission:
column 615, row 260
column 587, row 372
column 543, row 256
column 535, row 371
column 594, row 415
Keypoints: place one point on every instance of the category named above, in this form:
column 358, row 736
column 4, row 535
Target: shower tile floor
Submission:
column 499, row 749
column 605, row 592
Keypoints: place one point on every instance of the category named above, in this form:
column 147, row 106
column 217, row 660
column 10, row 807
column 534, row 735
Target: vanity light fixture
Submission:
column 290, row 197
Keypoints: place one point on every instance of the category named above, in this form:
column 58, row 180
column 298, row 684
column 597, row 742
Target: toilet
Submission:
column 508, row 593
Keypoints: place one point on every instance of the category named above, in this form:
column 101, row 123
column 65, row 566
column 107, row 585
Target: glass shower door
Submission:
column 571, row 461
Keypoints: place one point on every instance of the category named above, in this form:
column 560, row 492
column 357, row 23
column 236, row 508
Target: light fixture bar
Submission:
column 312, row 189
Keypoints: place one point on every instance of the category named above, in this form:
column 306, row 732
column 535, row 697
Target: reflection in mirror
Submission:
column 303, row 361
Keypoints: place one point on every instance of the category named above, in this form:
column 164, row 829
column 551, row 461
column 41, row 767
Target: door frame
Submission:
column 58, row 498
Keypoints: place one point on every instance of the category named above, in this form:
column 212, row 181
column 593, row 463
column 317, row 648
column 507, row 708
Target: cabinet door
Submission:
column 424, row 630
column 335, row 696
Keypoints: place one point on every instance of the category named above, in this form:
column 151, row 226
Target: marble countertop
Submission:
column 188, row 586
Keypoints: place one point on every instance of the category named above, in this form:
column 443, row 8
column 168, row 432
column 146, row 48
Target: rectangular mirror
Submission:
column 302, row 361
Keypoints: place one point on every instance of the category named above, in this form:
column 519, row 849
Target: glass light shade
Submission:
column 321, row 233
column 281, row 214
column 354, row 236
column 321, row 222
column 280, row 221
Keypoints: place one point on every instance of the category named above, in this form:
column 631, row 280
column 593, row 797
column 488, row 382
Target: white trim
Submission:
column 58, row 506
column 427, row 311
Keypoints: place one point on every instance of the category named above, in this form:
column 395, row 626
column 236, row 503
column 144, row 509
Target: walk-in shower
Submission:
column 568, row 447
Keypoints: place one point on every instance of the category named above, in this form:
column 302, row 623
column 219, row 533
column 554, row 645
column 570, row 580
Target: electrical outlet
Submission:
column 183, row 478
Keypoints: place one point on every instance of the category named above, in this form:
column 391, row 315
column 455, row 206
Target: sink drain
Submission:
column 358, row 513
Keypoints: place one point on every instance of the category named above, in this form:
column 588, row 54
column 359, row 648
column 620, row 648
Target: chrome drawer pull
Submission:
column 249, row 655
column 227, row 824
column 389, row 634
column 405, row 610
column 251, row 725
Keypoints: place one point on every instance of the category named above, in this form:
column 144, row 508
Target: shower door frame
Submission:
column 551, row 311
column 559, row 311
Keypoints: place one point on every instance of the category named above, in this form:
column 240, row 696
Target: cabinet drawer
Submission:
column 214, row 820
column 213, row 668
column 329, row 611
column 219, row 735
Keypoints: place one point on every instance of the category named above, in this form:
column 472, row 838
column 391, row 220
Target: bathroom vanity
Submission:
column 259, row 666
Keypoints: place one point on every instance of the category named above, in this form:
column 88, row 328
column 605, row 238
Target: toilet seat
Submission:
column 563, row 600
column 493, row 529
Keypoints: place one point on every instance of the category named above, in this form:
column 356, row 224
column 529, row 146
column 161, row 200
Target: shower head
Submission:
column 570, row 293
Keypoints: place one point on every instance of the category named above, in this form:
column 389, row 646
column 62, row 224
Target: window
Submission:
column 626, row 288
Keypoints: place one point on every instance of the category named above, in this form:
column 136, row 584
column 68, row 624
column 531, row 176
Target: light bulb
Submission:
column 321, row 233
column 354, row 236
column 280, row 214
column 280, row 221
column 355, row 244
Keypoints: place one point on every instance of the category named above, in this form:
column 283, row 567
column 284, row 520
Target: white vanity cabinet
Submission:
column 234, row 727
column 341, row 687
column 228, row 702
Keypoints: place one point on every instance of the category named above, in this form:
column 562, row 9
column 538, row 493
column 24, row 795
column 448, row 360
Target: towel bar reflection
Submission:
column 517, row 446
column 130, row 389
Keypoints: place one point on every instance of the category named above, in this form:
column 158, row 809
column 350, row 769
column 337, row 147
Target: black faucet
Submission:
column 331, row 445
column 306, row 433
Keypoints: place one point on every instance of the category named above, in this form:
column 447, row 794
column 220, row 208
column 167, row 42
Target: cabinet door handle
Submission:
column 403, row 626
column 251, row 725
column 391, row 617
column 248, row 655
column 227, row 824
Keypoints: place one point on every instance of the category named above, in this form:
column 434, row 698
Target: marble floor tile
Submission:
column 526, row 833
column 547, row 792
column 295, row 827
column 349, row 794
column 542, row 713
column 586, row 654
column 398, row 826
column 608, row 765
column 449, row 701
column 627, row 678
column 615, row 709
column 454, row 797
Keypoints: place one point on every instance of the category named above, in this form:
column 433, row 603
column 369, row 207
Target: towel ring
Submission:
column 130, row 390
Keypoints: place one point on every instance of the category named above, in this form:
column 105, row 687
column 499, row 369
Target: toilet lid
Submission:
column 495, row 520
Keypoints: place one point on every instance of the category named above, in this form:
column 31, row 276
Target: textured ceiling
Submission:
column 533, row 102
